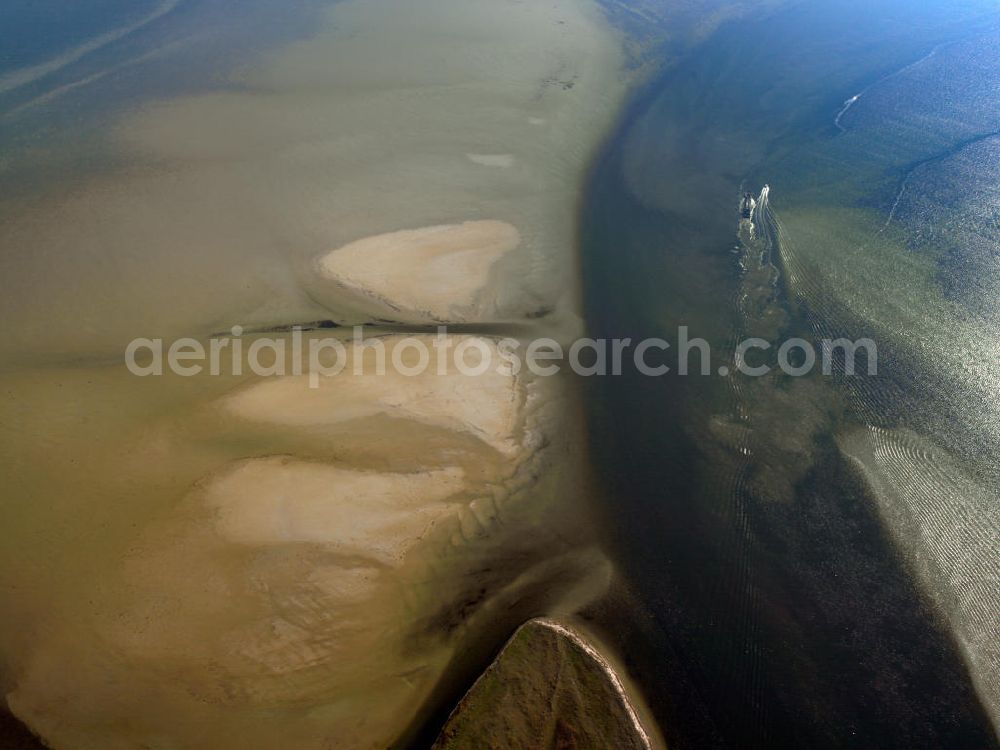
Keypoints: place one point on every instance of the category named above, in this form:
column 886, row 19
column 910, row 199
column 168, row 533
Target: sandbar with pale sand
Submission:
column 432, row 272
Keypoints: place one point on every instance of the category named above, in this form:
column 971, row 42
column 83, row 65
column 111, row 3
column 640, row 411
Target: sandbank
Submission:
column 436, row 271
column 485, row 407
column 366, row 514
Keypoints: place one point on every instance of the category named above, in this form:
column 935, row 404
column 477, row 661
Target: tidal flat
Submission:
column 235, row 560
column 361, row 558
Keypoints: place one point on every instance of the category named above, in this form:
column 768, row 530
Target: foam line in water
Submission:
column 59, row 91
column 31, row 73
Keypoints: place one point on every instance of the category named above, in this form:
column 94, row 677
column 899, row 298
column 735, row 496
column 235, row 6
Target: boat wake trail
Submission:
column 848, row 103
